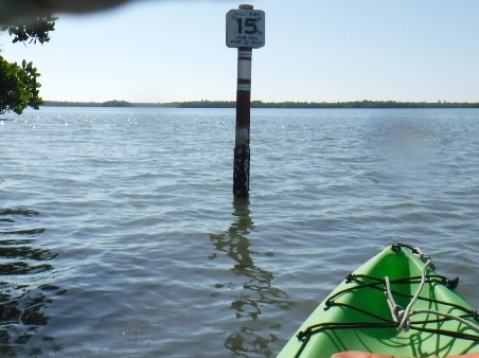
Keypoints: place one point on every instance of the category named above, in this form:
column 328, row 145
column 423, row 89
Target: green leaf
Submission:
column 18, row 86
column 18, row 83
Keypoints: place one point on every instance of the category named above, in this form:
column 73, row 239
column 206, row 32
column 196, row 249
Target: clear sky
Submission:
column 316, row 50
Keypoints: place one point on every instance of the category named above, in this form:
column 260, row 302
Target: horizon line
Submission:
column 260, row 104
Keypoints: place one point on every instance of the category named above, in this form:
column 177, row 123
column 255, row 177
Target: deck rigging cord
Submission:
column 400, row 317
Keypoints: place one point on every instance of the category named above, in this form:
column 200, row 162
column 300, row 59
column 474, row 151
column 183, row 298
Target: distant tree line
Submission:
column 260, row 104
column 113, row 103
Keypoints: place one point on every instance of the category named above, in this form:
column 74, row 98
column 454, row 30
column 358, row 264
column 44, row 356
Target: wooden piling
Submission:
column 242, row 134
column 245, row 31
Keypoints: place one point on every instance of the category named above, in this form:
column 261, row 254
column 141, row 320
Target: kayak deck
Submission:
column 357, row 315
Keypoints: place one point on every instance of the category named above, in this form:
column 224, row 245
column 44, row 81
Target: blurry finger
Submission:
column 15, row 10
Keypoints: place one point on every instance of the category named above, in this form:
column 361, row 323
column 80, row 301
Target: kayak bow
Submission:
column 394, row 304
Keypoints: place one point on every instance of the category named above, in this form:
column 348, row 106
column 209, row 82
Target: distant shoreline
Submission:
column 260, row 104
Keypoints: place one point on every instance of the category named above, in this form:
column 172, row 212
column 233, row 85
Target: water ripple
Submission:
column 23, row 305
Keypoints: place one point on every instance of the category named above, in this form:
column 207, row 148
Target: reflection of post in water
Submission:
column 235, row 241
column 257, row 292
column 22, row 305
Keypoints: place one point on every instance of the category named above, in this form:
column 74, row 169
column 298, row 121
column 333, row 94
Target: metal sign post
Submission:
column 245, row 29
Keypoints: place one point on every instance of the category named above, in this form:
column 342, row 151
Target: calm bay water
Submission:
column 119, row 235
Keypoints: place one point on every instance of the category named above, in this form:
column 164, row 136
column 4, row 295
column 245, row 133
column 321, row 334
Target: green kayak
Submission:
column 393, row 304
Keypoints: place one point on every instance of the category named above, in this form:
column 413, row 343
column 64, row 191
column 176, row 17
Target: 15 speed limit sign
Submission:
column 245, row 28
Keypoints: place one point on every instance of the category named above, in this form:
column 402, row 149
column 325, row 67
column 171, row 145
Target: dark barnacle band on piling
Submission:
column 241, row 171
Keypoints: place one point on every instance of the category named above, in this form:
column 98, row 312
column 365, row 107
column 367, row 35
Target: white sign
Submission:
column 245, row 28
